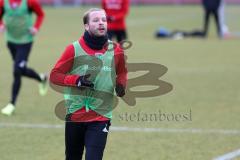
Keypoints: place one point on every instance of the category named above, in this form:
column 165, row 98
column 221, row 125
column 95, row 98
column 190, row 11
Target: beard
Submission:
column 97, row 32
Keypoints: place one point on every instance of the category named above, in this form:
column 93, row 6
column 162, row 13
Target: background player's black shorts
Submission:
column 119, row 34
column 19, row 53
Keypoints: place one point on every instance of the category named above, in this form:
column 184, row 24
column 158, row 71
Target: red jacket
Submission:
column 60, row 77
column 32, row 5
column 116, row 11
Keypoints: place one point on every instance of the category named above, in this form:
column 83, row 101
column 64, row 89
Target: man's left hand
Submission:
column 33, row 31
column 120, row 90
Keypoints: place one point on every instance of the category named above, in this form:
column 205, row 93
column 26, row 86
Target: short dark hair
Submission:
column 86, row 14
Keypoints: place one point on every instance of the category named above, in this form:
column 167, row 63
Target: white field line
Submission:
column 129, row 129
column 229, row 156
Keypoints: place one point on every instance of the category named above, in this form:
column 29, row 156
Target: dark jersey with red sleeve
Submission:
column 59, row 76
column 116, row 11
column 33, row 6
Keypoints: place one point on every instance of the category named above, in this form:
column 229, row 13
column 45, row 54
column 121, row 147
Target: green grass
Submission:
column 204, row 73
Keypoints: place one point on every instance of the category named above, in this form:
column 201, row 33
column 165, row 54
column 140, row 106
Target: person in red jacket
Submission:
column 94, row 67
column 17, row 23
column 117, row 11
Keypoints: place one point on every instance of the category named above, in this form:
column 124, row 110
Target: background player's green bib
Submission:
column 17, row 22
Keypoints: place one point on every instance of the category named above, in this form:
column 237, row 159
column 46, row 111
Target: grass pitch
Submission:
column 204, row 73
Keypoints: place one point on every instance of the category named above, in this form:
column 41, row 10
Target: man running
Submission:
column 16, row 22
column 92, row 67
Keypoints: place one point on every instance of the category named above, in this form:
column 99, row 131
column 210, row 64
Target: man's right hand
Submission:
column 83, row 81
column 2, row 28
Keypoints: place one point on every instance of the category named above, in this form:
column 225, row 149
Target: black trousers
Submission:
column 91, row 135
column 120, row 35
column 208, row 13
column 20, row 54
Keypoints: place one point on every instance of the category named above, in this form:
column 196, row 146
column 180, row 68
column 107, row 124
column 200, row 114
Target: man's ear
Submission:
column 86, row 26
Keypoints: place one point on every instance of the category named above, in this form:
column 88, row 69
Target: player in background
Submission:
column 17, row 22
column 211, row 7
column 116, row 11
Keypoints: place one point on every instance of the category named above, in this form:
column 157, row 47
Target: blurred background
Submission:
column 134, row 2
column 204, row 73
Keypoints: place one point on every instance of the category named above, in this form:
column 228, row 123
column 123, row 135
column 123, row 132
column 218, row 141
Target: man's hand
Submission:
column 33, row 31
column 2, row 28
column 110, row 18
column 120, row 90
column 83, row 81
